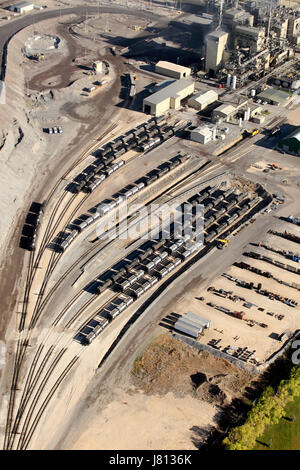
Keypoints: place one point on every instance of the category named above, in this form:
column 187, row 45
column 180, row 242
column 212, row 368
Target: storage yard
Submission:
column 150, row 253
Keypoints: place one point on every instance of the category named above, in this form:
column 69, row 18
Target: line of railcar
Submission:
column 115, row 149
column 31, row 226
column 138, row 283
column 156, row 262
column 123, row 195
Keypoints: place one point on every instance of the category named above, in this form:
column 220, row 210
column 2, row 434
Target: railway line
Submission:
column 22, row 343
column 30, row 429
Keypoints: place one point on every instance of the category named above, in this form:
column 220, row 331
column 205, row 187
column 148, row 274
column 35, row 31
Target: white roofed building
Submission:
column 203, row 99
column 172, row 70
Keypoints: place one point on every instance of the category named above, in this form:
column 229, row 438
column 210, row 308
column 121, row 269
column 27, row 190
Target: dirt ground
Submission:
column 168, row 365
column 190, row 388
column 136, row 421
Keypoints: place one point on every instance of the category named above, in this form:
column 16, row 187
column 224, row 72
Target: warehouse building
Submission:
column 275, row 97
column 291, row 143
column 203, row 99
column 22, row 7
column 169, row 97
column 225, row 112
column 172, row 70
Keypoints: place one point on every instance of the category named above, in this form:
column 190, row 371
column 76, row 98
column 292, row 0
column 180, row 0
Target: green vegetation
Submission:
column 268, row 411
column 286, row 434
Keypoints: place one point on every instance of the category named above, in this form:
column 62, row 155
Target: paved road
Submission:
column 7, row 31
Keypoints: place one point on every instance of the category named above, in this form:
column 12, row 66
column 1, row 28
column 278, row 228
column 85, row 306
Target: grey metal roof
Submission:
column 170, row 91
column 278, row 96
column 187, row 323
column 199, row 319
column 21, row 4
column 187, row 331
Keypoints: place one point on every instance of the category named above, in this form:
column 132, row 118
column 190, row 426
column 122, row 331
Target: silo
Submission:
column 240, row 122
column 233, row 85
column 248, row 113
column 245, row 116
column 228, row 80
column 214, row 133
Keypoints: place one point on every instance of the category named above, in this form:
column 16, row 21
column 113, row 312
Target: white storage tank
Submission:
column 228, row 80
column 233, row 86
column 252, row 92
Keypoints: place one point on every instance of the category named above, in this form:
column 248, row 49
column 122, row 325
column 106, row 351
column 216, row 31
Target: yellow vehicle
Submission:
column 222, row 243
column 254, row 132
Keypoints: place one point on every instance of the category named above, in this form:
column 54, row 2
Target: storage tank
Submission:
column 252, row 92
column 295, row 85
column 228, row 80
column 233, row 86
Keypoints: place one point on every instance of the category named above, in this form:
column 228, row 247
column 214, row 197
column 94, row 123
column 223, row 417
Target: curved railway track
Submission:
column 30, row 429
column 32, row 267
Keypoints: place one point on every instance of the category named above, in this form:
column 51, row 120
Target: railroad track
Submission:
column 50, row 229
column 32, row 266
column 30, row 430
column 37, row 396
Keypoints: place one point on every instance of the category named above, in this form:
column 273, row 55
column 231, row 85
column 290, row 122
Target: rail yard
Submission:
column 137, row 223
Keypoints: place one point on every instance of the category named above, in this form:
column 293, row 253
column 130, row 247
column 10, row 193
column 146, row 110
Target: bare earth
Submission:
column 172, row 403
column 151, row 422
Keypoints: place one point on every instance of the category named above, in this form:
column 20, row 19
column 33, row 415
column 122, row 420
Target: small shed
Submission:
column 203, row 135
column 223, row 113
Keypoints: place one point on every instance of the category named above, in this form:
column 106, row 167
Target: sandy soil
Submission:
column 138, row 421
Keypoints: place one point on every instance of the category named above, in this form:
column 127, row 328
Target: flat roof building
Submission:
column 202, row 134
column 274, row 96
column 172, row 70
column 98, row 66
column 21, row 7
column 203, row 99
column 169, row 97
column 223, row 113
